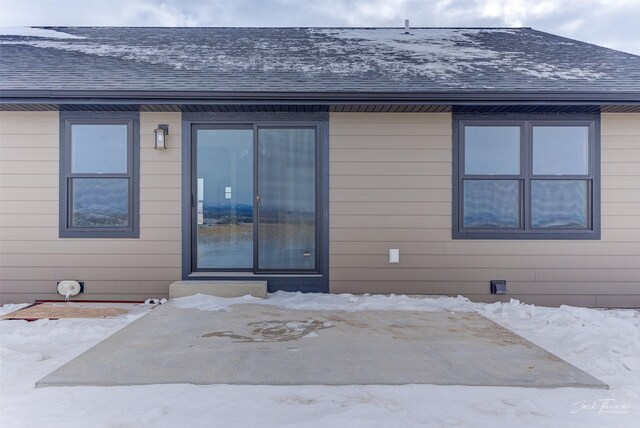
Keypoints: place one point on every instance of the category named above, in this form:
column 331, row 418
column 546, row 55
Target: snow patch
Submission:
column 440, row 54
column 604, row 343
column 35, row 32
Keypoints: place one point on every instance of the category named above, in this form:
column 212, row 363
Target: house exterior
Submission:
column 368, row 160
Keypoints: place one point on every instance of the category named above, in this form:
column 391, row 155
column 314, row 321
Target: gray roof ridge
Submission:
column 279, row 27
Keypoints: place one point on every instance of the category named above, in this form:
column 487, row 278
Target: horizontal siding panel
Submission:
column 31, row 141
column 8, row 234
column 621, row 195
column 621, row 156
column 21, row 207
column 29, row 220
column 160, row 181
column 620, row 182
column 28, row 167
column 618, row 301
column 620, row 124
column 390, row 182
column 27, row 117
column 436, row 261
column 90, row 260
column 160, row 168
column 390, row 195
column 151, row 288
column 28, row 153
column 543, row 248
column 620, row 142
column 390, row 155
column 390, row 168
column 34, row 273
column 163, row 247
column 120, row 274
column 582, row 261
column 634, row 262
column 620, row 222
column 391, row 129
column 31, row 286
column 620, row 209
column 573, row 287
column 428, row 274
column 158, row 220
column 161, row 233
column 611, row 275
column 390, row 221
column 161, row 195
column 350, row 248
column 621, row 235
column 21, row 127
column 31, row 180
column 386, row 287
column 542, row 287
column 155, row 207
column 396, row 142
column 398, row 208
column 30, row 297
column 73, row 246
column 28, row 194
column 402, row 235
column 620, row 169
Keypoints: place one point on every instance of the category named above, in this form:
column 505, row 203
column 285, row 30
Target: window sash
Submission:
column 67, row 227
column 526, row 229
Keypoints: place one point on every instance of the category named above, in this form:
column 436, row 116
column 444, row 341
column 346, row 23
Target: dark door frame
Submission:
column 317, row 281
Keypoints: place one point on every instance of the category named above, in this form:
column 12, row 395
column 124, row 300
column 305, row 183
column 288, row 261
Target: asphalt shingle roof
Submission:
column 342, row 60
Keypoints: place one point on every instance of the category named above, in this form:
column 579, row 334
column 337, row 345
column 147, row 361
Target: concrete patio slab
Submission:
column 259, row 344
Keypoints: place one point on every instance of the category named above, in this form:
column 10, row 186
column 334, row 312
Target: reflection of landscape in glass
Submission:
column 491, row 203
column 100, row 202
column 559, row 203
column 286, row 180
column 225, row 160
column 225, row 240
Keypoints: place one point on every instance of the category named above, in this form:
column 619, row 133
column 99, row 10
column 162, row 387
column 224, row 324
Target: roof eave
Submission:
column 125, row 97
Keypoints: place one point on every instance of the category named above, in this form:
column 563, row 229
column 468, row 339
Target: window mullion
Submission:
column 527, row 155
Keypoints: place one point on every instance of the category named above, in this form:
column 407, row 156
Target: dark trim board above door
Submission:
column 317, row 281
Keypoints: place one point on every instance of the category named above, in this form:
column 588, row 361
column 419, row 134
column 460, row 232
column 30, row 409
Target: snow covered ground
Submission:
column 604, row 343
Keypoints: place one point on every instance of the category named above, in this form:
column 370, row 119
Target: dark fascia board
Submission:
column 317, row 98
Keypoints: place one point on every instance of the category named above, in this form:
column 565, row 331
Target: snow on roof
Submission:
column 35, row 32
column 383, row 59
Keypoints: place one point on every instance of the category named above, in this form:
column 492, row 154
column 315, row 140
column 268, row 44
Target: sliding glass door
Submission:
column 287, row 199
column 255, row 198
column 224, row 199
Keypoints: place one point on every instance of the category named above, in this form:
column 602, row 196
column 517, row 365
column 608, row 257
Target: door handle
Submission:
column 257, row 199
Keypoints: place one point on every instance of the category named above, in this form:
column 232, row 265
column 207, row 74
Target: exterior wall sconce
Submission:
column 161, row 133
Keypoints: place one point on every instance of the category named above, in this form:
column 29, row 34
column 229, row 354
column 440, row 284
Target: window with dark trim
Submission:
column 526, row 177
column 99, row 157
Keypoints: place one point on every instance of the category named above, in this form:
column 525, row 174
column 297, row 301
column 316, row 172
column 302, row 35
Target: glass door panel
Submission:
column 287, row 199
column 224, row 193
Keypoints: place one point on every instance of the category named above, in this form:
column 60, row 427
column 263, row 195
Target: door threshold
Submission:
column 204, row 275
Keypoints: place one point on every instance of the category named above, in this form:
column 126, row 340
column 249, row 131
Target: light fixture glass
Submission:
column 161, row 137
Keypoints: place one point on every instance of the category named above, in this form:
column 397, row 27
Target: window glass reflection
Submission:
column 492, row 150
column 491, row 203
